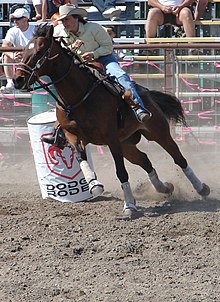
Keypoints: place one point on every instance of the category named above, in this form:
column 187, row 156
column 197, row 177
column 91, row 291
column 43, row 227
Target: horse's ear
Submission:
column 50, row 29
column 49, row 32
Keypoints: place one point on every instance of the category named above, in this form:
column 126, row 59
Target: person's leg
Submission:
column 107, row 8
column 200, row 9
column 122, row 77
column 38, row 9
column 99, row 4
column 154, row 19
column 109, row 4
column 8, row 70
column 186, row 19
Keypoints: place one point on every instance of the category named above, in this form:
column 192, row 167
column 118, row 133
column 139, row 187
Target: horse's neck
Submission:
column 69, row 80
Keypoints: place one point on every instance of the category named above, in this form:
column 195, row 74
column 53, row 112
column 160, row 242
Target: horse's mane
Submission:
column 41, row 30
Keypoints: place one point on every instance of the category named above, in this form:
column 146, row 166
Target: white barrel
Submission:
column 58, row 171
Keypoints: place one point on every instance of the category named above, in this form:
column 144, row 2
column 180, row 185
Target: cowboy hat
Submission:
column 69, row 10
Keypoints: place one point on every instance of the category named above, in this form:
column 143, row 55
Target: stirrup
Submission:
column 57, row 139
column 143, row 116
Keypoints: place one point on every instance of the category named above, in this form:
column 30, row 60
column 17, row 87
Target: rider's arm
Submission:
column 104, row 41
column 96, row 40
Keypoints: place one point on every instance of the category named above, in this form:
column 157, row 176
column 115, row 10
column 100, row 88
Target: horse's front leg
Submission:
column 96, row 188
column 72, row 131
column 129, row 200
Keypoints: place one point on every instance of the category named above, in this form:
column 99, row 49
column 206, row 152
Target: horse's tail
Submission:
column 170, row 106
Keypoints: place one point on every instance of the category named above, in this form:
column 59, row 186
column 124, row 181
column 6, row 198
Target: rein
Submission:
column 33, row 73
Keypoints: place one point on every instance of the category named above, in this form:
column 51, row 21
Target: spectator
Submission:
column 51, row 7
column 107, row 9
column 200, row 9
column 111, row 31
column 176, row 12
column 17, row 36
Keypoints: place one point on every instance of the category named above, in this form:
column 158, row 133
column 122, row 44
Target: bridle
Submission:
column 32, row 72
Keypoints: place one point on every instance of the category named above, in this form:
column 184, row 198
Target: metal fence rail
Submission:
column 195, row 80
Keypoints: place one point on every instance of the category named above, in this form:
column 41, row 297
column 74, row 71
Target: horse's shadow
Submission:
column 168, row 207
column 177, row 206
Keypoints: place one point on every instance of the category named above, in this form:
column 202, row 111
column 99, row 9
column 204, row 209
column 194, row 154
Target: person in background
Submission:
column 94, row 43
column 200, row 9
column 51, row 7
column 17, row 36
column 175, row 12
column 111, row 31
column 38, row 9
column 107, row 9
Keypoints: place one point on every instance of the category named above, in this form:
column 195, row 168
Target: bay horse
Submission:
column 89, row 112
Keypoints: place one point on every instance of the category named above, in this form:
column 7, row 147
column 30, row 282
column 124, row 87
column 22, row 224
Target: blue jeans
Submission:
column 112, row 68
column 103, row 5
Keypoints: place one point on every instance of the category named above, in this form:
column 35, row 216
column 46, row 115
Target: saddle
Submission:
column 97, row 70
column 111, row 84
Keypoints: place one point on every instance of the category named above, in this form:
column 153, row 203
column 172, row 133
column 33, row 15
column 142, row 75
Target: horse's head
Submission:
column 36, row 54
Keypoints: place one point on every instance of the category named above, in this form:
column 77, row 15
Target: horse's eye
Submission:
column 31, row 46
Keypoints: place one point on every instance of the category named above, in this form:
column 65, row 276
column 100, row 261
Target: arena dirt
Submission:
column 53, row 251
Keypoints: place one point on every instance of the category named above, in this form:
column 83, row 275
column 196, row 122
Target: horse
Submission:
column 90, row 112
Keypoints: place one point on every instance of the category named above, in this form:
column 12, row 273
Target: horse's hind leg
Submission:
column 137, row 157
column 171, row 147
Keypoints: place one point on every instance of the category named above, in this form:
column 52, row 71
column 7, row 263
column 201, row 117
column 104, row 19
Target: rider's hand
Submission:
column 76, row 45
column 88, row 56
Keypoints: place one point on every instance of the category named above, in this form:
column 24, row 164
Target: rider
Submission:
column 93, row 43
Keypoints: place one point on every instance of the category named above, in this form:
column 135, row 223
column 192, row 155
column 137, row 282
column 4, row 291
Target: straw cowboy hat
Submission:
column 71, row 9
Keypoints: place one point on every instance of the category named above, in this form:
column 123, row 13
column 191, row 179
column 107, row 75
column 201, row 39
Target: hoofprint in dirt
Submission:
column 53, row 251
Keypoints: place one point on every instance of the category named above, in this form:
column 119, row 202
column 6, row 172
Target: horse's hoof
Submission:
column 169, row 188
column 129, row 213
column 96, row 188
column 205, row 190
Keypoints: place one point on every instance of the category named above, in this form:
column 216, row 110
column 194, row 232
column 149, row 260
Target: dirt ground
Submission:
column 54, row 251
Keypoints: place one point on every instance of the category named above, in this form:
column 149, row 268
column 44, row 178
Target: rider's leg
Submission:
column 141, row 111
column 114, row 69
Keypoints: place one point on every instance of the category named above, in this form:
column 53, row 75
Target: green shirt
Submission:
column 95, row 38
